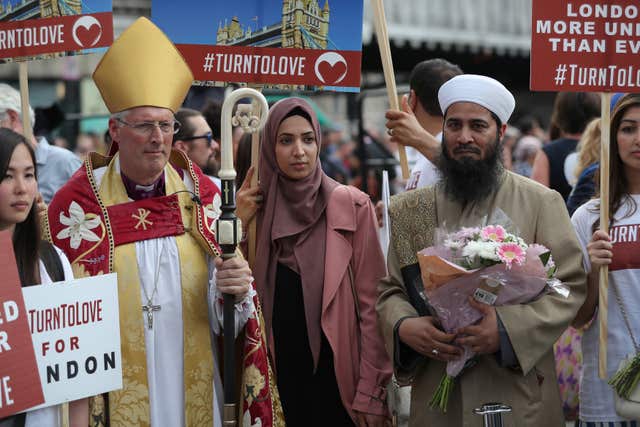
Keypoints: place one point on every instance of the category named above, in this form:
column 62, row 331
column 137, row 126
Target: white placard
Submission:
column 75, row 328
column 385, row 231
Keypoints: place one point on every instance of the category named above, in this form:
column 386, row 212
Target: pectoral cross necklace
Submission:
column 149, row 307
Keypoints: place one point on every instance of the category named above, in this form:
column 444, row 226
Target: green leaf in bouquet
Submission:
column 552, row 272
column 440, row 399
column 545, row 258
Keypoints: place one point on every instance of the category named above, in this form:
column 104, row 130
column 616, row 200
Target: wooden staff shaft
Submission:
column 382, row 35
column 252, row 229
column 603, row 302
column 24, row 100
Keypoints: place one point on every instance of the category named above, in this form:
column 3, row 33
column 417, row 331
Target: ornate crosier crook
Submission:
column 228, row 226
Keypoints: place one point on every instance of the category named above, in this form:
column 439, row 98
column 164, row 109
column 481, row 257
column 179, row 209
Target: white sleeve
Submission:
column 243, row 309
column 583, row 220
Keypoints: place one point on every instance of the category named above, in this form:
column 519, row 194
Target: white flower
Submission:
column 79, row 226
column 484, row 250
column 246, row 420
column 453, row 245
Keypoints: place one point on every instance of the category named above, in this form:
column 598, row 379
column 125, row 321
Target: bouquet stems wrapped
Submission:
column 490, row 265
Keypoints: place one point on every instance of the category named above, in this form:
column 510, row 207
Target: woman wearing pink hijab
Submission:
column 317, row 268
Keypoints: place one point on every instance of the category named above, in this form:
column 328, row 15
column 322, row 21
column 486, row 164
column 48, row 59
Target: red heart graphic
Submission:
column 88, row 36
column 331, row 73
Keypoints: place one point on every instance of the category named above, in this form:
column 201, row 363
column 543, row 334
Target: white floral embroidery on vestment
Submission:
column 246, row 420
column 213, row 211
column 79, row 226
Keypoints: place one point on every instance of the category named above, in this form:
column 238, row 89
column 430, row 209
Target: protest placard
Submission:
column 278, row 43
column 585, row 45
column 35, row 29
column 76, row 337
column 19, row 381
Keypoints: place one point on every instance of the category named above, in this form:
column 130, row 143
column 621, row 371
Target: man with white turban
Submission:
column 514, row 363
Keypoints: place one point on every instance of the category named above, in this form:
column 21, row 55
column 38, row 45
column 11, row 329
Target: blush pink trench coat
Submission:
column 363, row 368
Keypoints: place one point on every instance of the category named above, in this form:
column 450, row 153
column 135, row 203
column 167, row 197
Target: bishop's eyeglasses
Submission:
column 167, row 127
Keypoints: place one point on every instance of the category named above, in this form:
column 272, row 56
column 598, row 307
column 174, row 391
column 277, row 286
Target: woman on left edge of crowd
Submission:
column 36, row 258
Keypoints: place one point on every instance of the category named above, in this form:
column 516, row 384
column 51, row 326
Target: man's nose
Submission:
column 464, row 137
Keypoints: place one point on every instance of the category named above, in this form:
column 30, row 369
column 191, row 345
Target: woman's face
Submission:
column 18, row 188
column 628, row 137
column 296, row 147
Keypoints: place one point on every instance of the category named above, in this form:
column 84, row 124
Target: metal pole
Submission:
column 492, row 413
column 229, row 228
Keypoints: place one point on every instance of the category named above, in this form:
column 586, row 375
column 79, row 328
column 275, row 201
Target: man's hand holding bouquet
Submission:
column 468, row 272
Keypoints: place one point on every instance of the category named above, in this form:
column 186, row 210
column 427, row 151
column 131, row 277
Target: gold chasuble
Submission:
column 130, row 406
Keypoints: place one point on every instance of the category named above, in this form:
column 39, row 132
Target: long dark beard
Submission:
column 468, row 180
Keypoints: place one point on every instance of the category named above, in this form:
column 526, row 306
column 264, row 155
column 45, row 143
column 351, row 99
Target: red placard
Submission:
column 273, row 65
column 585, row 45
column 20, row 387
column 71, row 33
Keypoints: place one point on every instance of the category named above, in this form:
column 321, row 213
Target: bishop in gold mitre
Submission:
column 147, row 213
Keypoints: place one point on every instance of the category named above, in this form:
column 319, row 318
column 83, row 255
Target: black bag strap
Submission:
column 51, row 261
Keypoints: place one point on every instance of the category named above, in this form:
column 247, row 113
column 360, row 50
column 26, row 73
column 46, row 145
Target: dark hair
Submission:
column 243, row 158
column 26, row 235
column 572, row 111
column 212, row 113
column 426, row 79
column 187, row 128
column 618, row 183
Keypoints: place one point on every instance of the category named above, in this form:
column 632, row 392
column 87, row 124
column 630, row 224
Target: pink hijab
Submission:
column 292, row 224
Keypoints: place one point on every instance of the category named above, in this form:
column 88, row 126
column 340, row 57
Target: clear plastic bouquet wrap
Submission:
column 491, row 265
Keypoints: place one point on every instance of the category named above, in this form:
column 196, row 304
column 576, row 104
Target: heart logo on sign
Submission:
column 331, row 68
column 87, row 31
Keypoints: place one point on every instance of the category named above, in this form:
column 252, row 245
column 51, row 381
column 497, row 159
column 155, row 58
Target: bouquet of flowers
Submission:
column 491, row 265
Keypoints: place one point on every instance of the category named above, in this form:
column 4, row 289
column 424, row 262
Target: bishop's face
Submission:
column 144, row 138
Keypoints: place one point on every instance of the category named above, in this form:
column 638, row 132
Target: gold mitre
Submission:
column 143, row 68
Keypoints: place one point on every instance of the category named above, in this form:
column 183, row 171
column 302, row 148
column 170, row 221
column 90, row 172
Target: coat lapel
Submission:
column 341, row 221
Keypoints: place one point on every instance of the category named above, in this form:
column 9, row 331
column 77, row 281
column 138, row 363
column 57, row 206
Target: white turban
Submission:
column 481, row 90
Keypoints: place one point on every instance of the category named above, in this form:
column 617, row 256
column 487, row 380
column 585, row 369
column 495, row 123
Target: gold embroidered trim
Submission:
column 413, row 222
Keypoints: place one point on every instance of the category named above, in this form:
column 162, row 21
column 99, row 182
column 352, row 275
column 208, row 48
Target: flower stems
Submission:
column 440, row 398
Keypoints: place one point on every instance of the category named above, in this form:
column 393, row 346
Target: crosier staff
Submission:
column 228, row 226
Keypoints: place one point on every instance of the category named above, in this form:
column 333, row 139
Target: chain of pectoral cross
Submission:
column 149, row 307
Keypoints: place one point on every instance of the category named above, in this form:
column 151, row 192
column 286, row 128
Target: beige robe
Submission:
column 532, row 391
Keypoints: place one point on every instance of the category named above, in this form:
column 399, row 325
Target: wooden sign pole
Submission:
column 604, row 226
column 382, row 35
column 24, row 99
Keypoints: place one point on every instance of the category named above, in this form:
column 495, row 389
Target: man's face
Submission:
column 144, row 149
column 470, row 132
column 199, row 149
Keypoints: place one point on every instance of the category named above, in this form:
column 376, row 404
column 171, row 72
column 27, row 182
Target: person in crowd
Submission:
column 196, row 139
column 513, row 343
column 38, row 261
column 419, row 123
column 55, row 164
column 619, row 250
column 588, row 164
column 317, row 270
column 524, row 154
column 511, row 136
column 554, row 165
column 84, row 145
column 529, row 125
column 212, row 113
column 147, row 213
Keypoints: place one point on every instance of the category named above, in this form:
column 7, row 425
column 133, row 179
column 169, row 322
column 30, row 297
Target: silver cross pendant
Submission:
column 149, row 308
